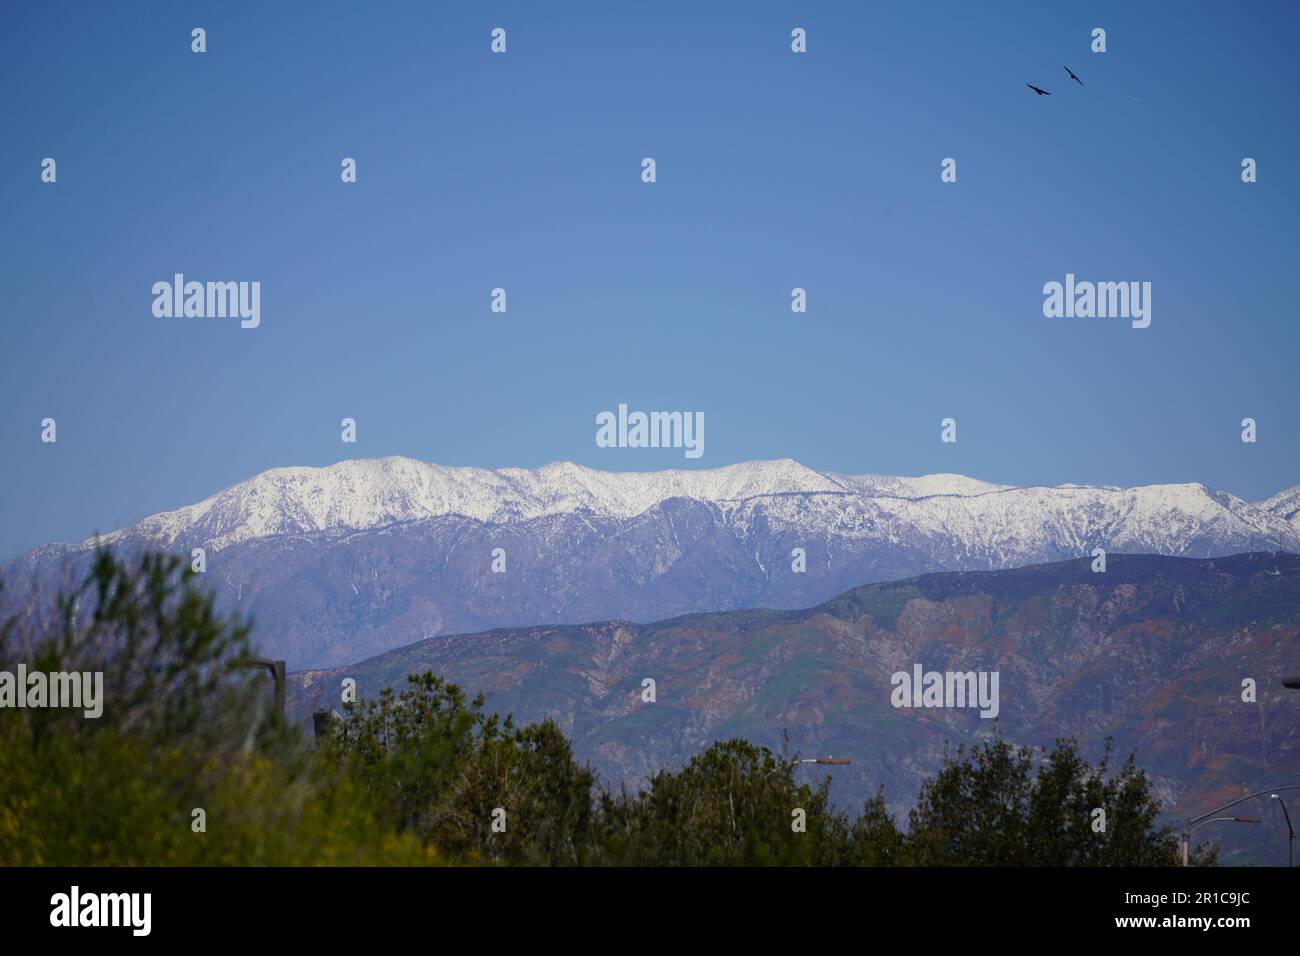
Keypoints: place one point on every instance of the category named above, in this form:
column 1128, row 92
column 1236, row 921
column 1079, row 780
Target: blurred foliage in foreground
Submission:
column 424, row 776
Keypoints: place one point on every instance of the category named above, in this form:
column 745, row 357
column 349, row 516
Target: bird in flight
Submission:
column 1037, row 90
column 1073, row 77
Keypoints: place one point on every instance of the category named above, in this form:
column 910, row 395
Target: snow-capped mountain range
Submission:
column 369, row 493
column 360, row 556
column 998, row 520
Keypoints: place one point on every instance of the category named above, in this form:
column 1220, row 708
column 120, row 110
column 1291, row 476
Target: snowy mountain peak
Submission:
column 366, row 493
column 982, row 516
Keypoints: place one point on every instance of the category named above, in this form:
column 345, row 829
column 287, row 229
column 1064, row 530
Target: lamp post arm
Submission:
column 1250, row 796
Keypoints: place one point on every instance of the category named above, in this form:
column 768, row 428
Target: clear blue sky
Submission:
column 775, row 170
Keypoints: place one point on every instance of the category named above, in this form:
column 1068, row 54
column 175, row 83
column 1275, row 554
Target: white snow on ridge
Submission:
column 1286, row 505
column 368, row 493
column 884, row 486
column 979, row 516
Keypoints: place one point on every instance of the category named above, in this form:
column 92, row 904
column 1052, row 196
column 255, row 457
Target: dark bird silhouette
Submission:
column 1073, row 77
column 1037, row 90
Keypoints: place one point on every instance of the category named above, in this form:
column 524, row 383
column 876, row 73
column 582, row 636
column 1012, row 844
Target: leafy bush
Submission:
column 180, row 731
column 444, row 769
column 988, row 807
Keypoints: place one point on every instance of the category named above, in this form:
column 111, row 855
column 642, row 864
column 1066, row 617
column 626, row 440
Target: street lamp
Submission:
column 1291, row 855
column 1187, row 834
column 1196, row 821
column 277, row 674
